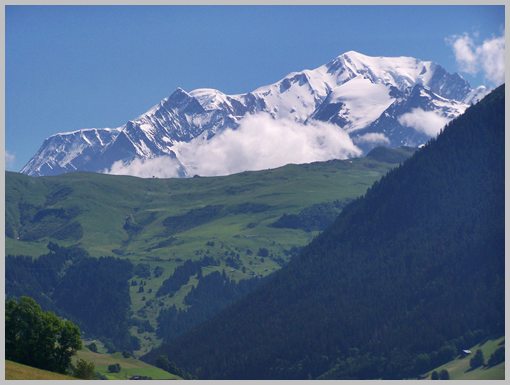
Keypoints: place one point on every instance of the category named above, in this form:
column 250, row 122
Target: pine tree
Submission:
column 444, row 375
column 497, row 357
column 478, row 360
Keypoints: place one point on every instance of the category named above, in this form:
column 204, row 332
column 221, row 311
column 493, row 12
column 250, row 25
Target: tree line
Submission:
column 92, row 292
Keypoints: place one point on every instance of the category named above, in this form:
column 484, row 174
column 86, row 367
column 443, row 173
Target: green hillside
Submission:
column 459, row 369
column 129, row 367
column 246, row 225
column 16, row 371
column 126, row 216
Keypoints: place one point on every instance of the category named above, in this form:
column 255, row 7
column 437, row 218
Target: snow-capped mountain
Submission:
column 376, row 100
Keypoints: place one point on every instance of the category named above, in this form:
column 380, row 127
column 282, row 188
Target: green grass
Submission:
column 102, row 204
column 459, row 368
column 16, row 371
column 129, row 366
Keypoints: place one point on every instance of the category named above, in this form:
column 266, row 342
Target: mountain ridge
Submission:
column 356, row 93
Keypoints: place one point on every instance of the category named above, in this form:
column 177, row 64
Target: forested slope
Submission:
column 406, row 275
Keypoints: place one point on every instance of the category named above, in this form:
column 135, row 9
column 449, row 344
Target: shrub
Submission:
column 142, row 270
column 92, row 347
column 84, row 370
column 158, row 271
column 114, row 368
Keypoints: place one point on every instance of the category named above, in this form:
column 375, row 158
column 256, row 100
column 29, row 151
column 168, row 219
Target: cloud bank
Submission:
column 259, row 143
column 373, row 137
column 428, row 122
column 162, row 167
column 488, row 57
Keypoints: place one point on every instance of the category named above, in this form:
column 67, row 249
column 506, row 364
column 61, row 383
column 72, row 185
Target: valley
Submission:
column 246, row 226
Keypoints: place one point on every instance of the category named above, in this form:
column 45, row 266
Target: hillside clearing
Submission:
column 17, row 371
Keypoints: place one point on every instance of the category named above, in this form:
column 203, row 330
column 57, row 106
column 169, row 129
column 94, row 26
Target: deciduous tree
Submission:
column 37, row 338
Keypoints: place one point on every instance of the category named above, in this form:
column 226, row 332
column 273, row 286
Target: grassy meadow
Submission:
column 16, row 371
column 129, row 366
column 459, row 368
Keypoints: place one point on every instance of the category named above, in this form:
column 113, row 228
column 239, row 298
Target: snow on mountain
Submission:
column 375, row 100
column 476, row 94
column 70, row 151
column 361, row 101
column 411, row 120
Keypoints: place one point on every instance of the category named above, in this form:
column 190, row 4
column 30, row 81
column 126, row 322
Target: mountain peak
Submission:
column 370, row 60
column 179, row 92
column 180, row 99
column 209, row 98
column 353, row 54
column 362, row 95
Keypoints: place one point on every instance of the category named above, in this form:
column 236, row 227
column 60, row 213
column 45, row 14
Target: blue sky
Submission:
column 71, row 67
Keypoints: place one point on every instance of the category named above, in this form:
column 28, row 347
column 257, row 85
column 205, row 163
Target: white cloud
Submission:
column 493, row 59
column 463, row 47
column 428, row 122
column 373, row 137
column 10, row 158
column 488, row 57
column 163, row 167
column 260, row 142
